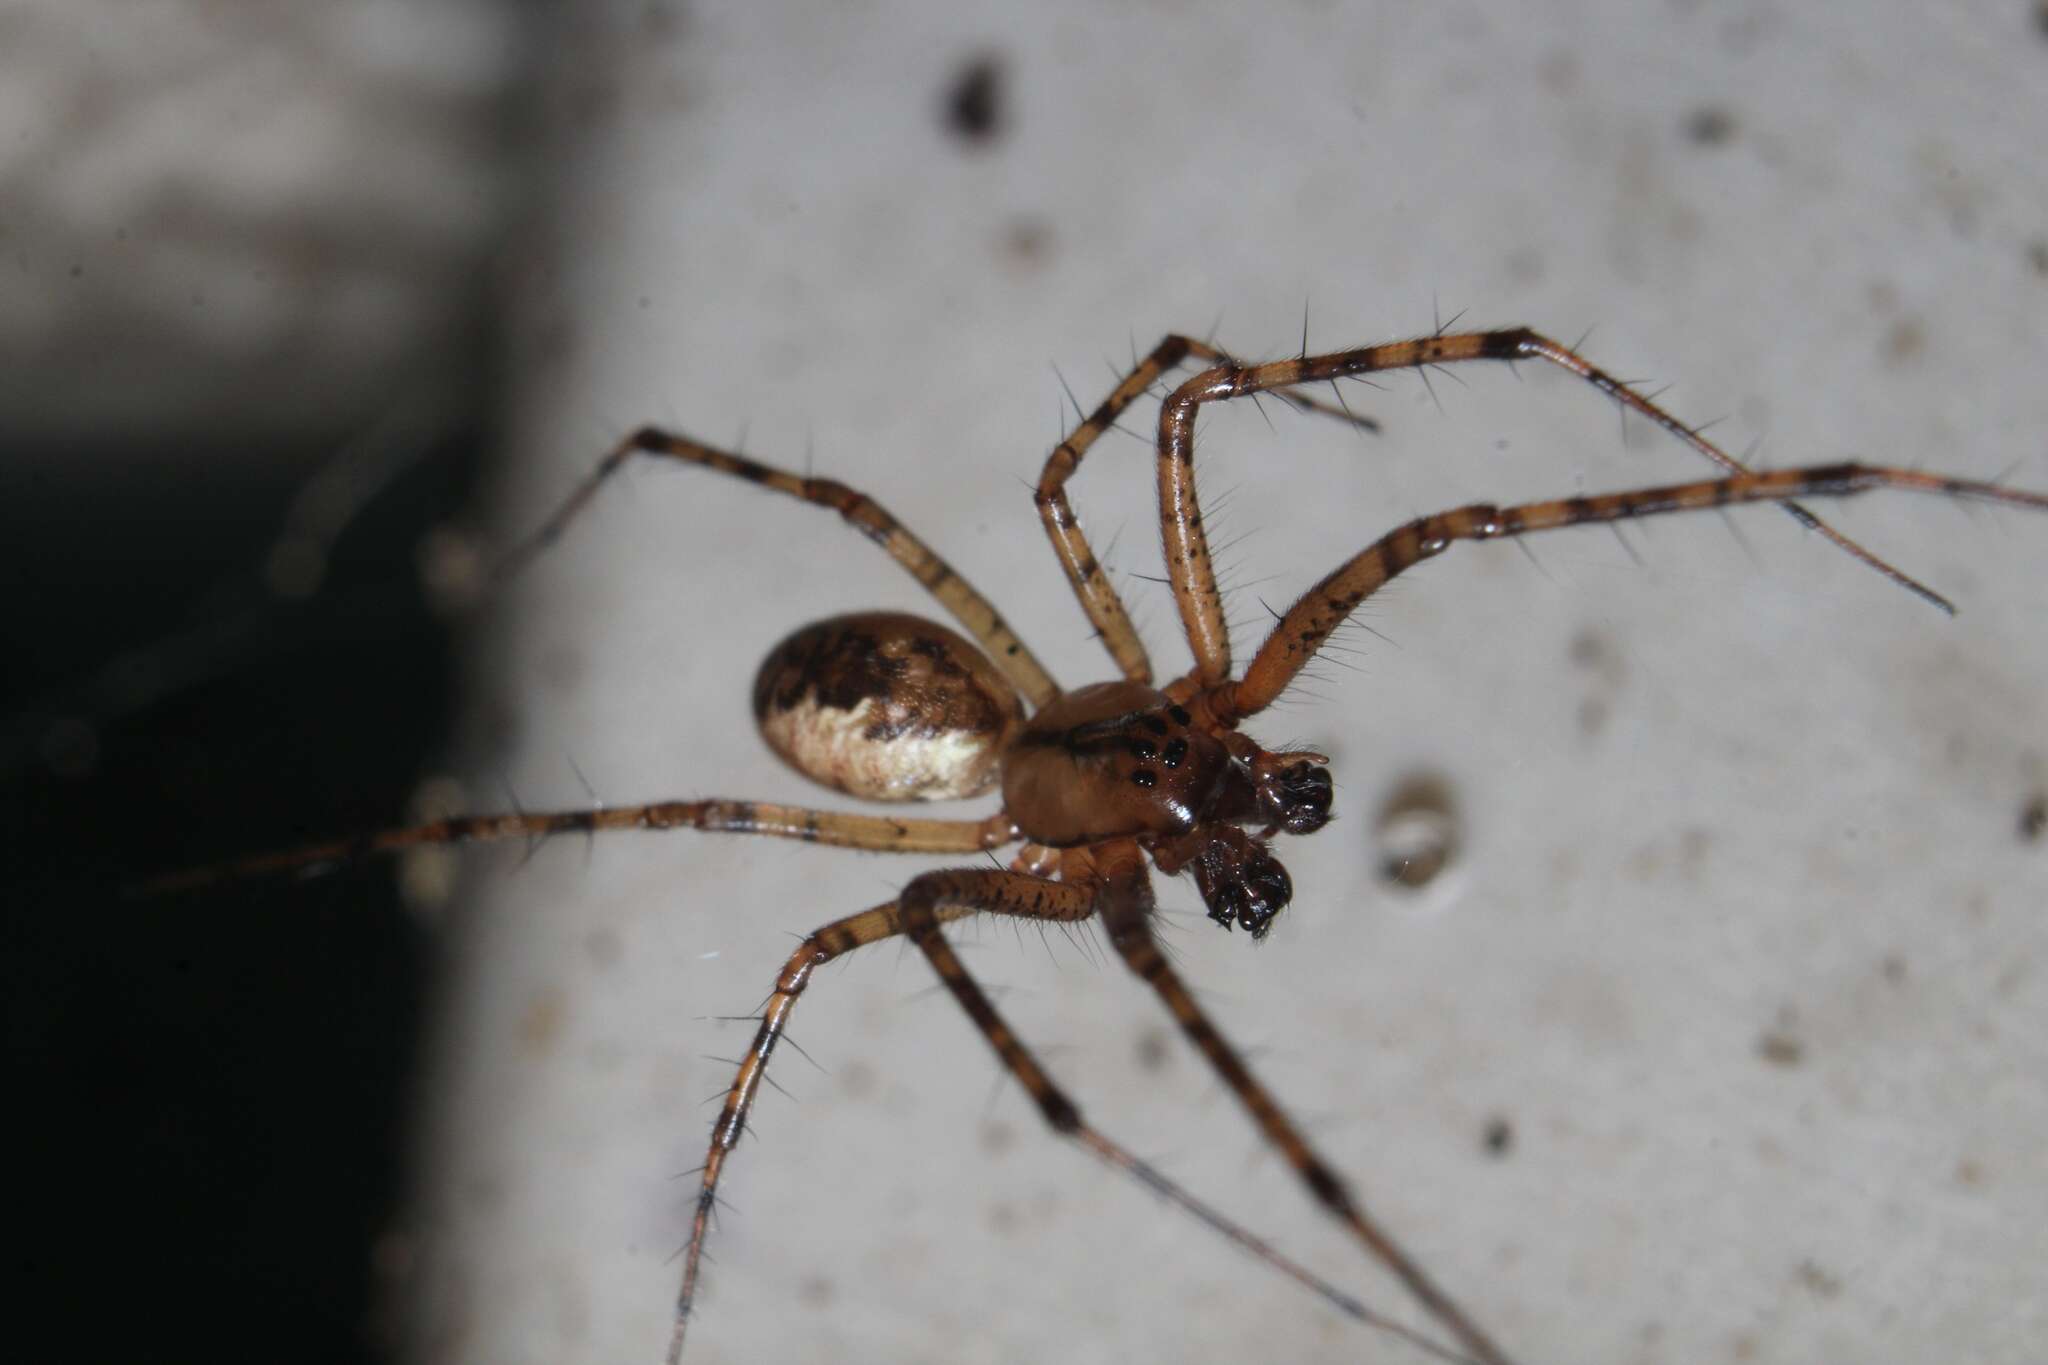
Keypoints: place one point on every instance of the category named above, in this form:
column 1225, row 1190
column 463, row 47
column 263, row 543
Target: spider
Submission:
column 1099, row 784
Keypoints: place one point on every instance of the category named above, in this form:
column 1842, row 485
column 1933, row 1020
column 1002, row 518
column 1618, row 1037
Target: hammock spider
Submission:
column 1098, row 780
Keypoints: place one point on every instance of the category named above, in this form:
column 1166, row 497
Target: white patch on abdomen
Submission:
column 837, row 747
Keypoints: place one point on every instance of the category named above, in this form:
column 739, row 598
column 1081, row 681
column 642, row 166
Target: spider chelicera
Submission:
column 1097, row 782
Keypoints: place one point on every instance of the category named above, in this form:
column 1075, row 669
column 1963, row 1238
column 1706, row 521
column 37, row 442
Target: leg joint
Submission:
column 1327, row 1187
column 1060, row 1113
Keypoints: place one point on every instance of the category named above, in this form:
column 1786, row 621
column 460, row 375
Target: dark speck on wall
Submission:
column 1780, row 1049
column 976, row 105
column 1710, row 126
column 1817, row 1280
column 1499, row 1136
column 2034, row 818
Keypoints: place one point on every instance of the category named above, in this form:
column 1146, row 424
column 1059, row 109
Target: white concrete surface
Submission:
column 263, row 220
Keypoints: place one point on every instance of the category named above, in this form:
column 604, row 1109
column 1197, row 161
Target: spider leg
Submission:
column 1301, row 632
column 841, row 829
column 1098, row 596
column 1187, row 551
column 1127, row 906
column 839, row 937
column 954, row 593
column 925, row 904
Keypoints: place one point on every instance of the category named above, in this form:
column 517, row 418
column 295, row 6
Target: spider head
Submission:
column 1242, row 883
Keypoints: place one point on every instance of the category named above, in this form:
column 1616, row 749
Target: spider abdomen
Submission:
column 887, row 706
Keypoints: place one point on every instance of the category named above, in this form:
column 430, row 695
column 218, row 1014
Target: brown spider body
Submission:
column 892, row 707
column 1123, row 760
column 1109, row 761
column 887, row 706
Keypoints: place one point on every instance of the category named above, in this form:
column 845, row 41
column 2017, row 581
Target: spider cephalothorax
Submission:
column 1121, row 760
column 1113, row 760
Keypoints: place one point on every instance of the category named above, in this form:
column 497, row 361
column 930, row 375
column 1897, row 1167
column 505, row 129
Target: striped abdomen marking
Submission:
column 887, row 706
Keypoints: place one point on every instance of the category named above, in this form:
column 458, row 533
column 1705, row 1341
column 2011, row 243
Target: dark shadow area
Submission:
column 211, row 1090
